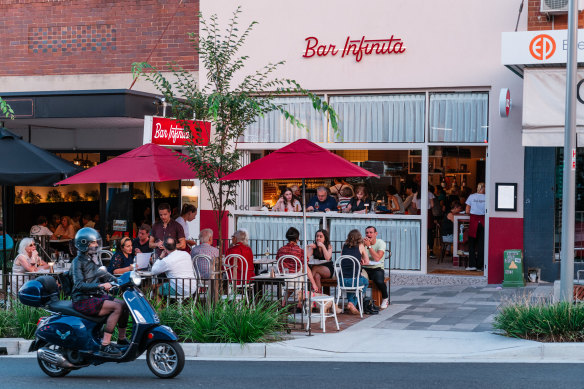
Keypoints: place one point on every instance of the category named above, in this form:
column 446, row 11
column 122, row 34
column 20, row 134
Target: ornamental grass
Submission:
column 541, row 320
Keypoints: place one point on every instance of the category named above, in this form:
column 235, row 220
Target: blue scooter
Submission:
column 68, row 340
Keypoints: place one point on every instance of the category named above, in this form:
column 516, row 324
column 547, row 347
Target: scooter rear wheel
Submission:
column 50, row 369
column 165, row 359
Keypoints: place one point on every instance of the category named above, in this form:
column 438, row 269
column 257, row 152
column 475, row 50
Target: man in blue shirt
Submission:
column 9, row 244
column 322, row 202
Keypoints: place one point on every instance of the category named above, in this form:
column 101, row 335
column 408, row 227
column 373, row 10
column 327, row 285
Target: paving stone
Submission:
column 438, row 327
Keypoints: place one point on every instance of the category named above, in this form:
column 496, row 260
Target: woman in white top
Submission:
column 287, row 202
column 27, row 260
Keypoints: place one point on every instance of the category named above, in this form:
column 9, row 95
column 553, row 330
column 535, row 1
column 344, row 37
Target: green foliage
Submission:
column 224, row 321
column 19, row 321
column 54, row 196
column 30, row 197
column 542, row 321
column 230, row 108
column 6, row 110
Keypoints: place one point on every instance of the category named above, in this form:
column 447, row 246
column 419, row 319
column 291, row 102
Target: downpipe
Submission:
column 55, row 358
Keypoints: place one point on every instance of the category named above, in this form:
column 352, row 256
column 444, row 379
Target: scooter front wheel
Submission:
column 52, row 370
column 165, row 359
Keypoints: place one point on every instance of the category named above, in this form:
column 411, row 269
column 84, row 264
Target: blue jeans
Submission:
column 352, row 297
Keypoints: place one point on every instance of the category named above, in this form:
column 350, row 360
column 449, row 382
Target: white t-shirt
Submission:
column 177, row 264
column 430, row 197
column 184, row 225
column 477, row 203
column 39, row 230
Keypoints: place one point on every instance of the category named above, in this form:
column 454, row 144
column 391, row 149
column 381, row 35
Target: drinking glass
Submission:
column 316, row 206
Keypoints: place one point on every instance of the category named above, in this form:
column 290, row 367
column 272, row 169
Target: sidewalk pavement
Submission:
column 423, row 324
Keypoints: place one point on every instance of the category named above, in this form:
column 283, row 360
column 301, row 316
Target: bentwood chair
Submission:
column 235, row 266
column 352, row 286
column 202, row 267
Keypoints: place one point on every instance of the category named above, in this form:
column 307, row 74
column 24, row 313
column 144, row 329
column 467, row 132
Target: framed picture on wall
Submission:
column 506, row 197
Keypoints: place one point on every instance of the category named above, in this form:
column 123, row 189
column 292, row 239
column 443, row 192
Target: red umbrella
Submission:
column 300, row 159
column 147, row 163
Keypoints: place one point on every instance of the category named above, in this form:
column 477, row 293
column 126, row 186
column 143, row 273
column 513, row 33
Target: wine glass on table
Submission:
column 316, row 206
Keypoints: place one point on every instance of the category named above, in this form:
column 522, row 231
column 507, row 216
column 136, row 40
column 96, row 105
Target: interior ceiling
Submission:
column 75, row 123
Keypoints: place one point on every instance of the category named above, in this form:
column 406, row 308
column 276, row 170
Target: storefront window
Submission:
column 273, row 127
column 459, row 117
column 380, row 118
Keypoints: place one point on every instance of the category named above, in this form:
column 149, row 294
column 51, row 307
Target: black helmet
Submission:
column 84, row 237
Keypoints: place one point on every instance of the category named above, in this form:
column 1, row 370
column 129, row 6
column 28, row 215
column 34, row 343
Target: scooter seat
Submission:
column 65, row 307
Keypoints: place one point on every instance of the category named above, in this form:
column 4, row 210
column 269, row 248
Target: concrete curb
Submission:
column 530, row 352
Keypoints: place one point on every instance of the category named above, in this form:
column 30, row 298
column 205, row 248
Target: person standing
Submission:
column 475, row 206
column 188, row 214
column 376, row 272
column 165, row 228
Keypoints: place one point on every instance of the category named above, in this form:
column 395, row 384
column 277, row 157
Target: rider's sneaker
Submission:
column 110, row 349
column 123, row 342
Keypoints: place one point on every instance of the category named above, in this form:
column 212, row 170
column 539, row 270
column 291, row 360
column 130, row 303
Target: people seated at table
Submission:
column 322, row 250
column 354, row 246
column 322, row 202
column 360, row 203
column 87, row 221
column 204, row 248
column 64, row 230
column 164, row 228
column 177, row 266
column 27, row 261
column 292, row 248
column 394, row 201
column 123, row 259
column 287, row 202
column 296, row 192
column 345, row 196
column 140, row 244
column 41, row 229
column 54, row 222
column 376, row 272
column 447, row 225
column 188, row 213
column 240, row 245
column 76, row 221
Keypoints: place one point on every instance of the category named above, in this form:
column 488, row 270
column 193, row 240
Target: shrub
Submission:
column 224, row 321
column 26, row 319
column 542, row 321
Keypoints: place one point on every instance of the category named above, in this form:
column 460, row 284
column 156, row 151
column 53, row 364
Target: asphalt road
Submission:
column 25, row 373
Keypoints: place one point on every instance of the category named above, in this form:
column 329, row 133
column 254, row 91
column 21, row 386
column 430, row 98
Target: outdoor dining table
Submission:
column 279, row 280
column 263, row 261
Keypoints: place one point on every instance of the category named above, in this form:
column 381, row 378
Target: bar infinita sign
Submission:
column 355, row 47
column 171, row 132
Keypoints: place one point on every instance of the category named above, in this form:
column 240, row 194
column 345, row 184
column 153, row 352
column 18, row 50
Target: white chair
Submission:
column 231, row 264
column 105, row 256
column 199, row 263
column 322, row 301
column 291, row 285
column 288, row 258
column 353, row 286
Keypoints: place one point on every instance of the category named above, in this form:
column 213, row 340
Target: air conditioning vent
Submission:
column 554, row 6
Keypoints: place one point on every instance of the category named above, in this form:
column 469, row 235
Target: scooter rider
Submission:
column 91, row 282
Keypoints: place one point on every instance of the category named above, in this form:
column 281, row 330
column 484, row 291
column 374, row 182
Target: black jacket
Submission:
column 86, row 278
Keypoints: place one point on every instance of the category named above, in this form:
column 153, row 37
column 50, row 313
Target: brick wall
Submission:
column 540, row 21
column 64, row 37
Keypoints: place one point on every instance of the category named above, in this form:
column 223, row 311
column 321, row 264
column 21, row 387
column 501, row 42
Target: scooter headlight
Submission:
column 136, row 279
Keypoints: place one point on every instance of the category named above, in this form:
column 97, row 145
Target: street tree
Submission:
column 230, row 107
column 5, row 109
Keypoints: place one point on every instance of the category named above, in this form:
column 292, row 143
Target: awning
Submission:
column 544, row 101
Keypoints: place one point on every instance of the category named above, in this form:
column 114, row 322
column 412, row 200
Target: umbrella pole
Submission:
column 306, row 291
column 152, row 201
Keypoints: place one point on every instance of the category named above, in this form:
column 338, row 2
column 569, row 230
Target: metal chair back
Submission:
column 287, row 259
